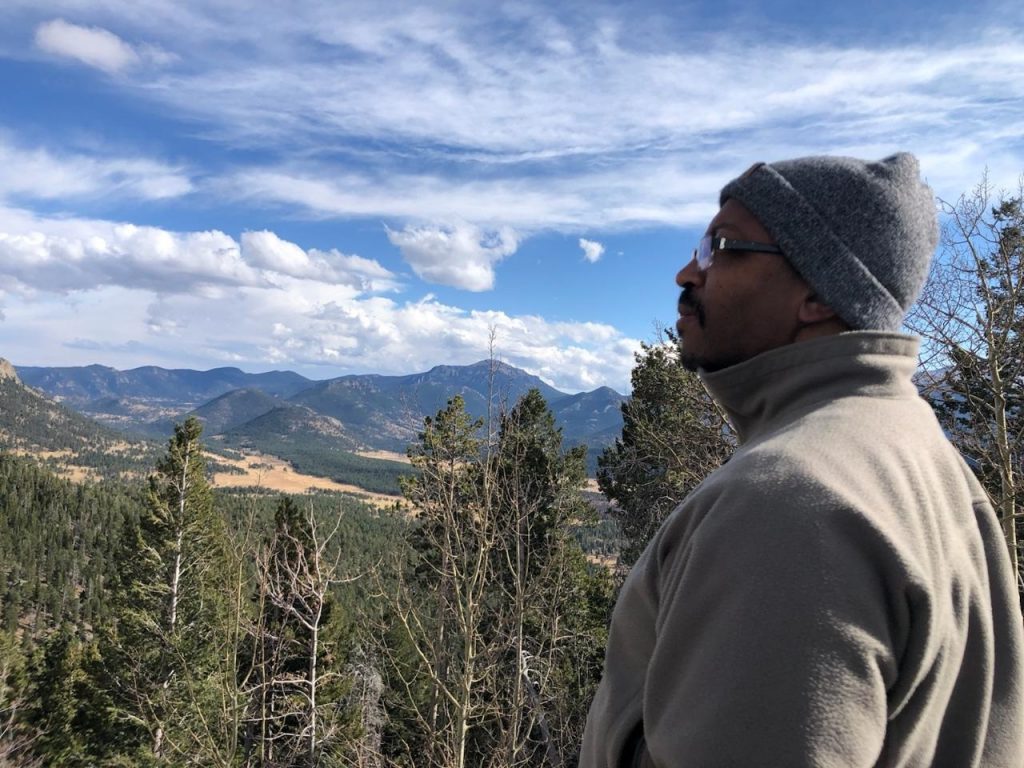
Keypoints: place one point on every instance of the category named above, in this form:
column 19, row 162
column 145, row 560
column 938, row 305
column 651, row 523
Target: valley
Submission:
column 254, row 470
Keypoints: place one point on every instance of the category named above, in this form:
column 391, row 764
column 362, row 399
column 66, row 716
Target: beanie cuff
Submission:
column 815, row 251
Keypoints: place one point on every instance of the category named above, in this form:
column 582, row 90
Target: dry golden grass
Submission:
column 607, row 561
column 72, row 472
column 64, row 454
column 387, row 455
column 276, row 474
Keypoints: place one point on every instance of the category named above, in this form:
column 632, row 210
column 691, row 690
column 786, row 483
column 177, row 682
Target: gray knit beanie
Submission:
column 861, row 234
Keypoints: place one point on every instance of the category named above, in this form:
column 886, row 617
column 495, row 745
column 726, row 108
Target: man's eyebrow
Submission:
column 726, row 225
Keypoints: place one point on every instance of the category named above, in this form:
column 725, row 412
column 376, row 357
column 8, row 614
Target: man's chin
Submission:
column 690, row 361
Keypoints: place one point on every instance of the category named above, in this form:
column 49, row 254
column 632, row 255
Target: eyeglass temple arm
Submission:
column 724, row 244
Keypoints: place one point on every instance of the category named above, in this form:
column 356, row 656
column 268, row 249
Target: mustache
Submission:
column 687, row 301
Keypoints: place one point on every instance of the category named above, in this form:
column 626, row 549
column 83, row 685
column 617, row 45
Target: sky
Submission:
column 347, row 187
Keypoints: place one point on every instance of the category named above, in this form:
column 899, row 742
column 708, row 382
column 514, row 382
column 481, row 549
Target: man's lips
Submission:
column 689, row 310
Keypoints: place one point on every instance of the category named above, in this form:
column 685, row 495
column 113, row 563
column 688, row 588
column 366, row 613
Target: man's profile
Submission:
column 838, row 593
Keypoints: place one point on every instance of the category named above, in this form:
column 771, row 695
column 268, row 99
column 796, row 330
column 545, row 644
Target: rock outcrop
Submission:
column 7, row 371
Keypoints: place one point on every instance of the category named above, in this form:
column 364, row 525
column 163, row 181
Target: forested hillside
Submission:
column 32, row 423
column 161, row 623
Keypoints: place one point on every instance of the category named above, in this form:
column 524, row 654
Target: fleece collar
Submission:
column 774, row 388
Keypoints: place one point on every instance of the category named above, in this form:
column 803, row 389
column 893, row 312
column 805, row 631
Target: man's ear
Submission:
column 813, row 310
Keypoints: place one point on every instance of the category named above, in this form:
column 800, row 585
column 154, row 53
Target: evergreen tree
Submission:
column 164, row 648
column 18, row 738
column 550, row 607
column 673, row 436
column 70, row 708
column 496, row 660
column 439, row 611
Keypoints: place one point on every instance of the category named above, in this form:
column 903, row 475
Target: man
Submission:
column 838, row 593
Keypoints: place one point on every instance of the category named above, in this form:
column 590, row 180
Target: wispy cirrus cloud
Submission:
column 95, row 46
column 40, row 174
column 449, row 84
column 579, row 137
column 599, row 131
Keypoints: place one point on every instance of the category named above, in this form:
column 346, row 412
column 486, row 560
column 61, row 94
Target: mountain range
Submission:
column 348, row 413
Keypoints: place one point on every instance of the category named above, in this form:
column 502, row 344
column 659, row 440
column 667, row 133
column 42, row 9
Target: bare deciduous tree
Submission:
column 297, row 689
column 437, row 610
column 971, row 315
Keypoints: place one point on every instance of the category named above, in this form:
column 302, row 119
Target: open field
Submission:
column 386, row 455
column 72, row 472
column 277, row 475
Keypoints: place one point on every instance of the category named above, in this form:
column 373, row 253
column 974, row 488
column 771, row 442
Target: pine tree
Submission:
column 439, row 610
column 673, row 436
column 69, row 707
column 493, row 653
column 18, row 736
column 164, row 647
column 547, row 651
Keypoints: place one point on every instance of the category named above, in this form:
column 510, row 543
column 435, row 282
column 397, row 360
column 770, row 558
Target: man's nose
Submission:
column 690, row 273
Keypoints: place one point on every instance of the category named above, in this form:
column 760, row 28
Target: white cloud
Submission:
column 267, row 251
column 592, row 251
column 673, row 193
column 600, row 131
column 426, row 114
column 445, row 82
column 123, row 294
column 38, row 173
column 124, row 255
column 93, row 46
column 69, row 256
column 460, row 255
column 317, row 329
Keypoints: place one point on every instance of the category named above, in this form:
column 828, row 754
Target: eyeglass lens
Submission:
column 703, row 253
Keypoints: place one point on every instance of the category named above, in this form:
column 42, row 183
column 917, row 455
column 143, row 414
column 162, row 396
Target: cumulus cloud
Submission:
column 592, row 251
column 318, row 329
column 266, row 250
column 93, row 46
column 325, row 335
column 131, row 294
column 70, row 256
column 460, row 255
column 124, row 255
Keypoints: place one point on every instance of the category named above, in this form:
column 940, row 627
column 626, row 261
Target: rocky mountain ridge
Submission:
column 369, row 411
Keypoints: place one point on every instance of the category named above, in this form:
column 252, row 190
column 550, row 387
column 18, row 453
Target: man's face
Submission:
column 744, row 304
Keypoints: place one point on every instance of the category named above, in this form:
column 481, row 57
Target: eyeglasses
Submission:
column 704, row 253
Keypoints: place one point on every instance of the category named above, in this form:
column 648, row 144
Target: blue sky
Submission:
column 345, row 187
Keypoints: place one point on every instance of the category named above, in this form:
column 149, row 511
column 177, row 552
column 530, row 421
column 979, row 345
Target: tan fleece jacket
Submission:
column 837, row 594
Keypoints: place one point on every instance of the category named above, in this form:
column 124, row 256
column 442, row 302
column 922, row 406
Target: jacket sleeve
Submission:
column 775, row 635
